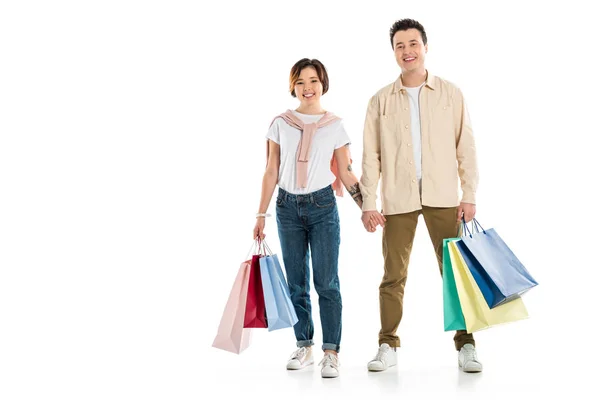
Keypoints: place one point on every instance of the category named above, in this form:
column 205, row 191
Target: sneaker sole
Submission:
column 377, row 369
column 328, row 376
column 300, row 367
column 471, row 369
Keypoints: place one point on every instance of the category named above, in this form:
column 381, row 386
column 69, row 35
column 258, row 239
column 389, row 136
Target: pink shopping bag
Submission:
column 231, row 335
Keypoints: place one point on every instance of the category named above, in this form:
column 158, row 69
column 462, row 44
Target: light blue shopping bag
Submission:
column 278, row 303
column 500, row 275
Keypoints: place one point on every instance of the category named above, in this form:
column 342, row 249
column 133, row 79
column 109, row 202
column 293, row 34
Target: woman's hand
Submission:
column 259, row 228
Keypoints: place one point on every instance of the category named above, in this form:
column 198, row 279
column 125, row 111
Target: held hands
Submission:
column 467, row 211
column 371, row 219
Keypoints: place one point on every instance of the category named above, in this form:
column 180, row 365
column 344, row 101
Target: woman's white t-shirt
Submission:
column 324, row 142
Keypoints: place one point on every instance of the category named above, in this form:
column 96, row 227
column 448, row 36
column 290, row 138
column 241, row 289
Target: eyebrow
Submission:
column 410, row 41
column 312, row 77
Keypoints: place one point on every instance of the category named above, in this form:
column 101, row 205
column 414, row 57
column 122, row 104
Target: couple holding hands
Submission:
column 418, row 141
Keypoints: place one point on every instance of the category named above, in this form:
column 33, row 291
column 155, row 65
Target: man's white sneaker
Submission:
column 385, row 358
column 330, row 365
column 467, row 359
column 300, row 358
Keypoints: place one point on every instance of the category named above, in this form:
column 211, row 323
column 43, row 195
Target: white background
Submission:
column 131, row 157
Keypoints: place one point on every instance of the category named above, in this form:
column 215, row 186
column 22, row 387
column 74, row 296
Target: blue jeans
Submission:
column 312, row 221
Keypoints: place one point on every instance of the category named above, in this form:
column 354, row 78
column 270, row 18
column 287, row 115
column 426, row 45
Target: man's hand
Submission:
column 371, row 219
column 467, row 211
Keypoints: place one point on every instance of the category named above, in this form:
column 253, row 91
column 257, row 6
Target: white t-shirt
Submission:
column 324, row 142
column 415, row 127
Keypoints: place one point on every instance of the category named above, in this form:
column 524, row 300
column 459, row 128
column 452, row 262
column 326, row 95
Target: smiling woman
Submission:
column 308, row 157
column 308, row 79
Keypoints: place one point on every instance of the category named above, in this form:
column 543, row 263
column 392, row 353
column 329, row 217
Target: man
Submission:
column 418, row 138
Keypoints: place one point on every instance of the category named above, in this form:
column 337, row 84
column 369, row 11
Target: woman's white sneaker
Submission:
column 330, row 365
column 385, row 358
column 300, row 358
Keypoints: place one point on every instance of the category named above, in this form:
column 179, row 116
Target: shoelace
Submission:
column 329, row 359
column 299, row 354
column 381, row 354
column 470, row 354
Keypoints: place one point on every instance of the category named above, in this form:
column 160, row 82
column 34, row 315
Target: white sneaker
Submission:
column 330, row 365
column 467, row 359
column 385, row 358
column 300, row 358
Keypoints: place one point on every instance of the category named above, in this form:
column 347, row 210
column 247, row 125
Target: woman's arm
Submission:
column 270, row 179
column 350, row 181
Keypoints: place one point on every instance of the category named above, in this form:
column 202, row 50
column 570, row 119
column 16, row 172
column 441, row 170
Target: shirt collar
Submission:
column 429, row 82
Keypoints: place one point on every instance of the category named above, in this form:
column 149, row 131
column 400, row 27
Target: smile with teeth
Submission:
column 409, row 59
column 308, row 95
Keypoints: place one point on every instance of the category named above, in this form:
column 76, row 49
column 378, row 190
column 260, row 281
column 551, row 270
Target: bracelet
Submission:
column 258, row 215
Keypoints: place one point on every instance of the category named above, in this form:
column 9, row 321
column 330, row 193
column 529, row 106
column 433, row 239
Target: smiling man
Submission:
column 418, row 140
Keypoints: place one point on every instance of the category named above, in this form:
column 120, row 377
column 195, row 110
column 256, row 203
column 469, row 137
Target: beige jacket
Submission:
column 447, row 143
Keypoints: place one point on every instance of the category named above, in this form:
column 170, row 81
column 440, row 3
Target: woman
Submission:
column 308, row 157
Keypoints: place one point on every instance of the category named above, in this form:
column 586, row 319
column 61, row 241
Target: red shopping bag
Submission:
column 256, row 314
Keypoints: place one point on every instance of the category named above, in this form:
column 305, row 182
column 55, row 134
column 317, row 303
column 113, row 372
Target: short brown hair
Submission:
column 404, row 25
column 314, row 63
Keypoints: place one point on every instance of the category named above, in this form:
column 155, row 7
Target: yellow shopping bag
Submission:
column 478, row 314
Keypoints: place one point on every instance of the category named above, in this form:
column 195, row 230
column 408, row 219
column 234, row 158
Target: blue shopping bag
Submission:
column 278, row 303
column 500, row 275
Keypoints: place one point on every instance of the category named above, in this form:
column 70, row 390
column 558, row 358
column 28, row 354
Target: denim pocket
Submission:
column 325, row 202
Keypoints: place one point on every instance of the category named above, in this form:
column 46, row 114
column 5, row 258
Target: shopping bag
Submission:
column 475, row 309
column 497, row 271
column 278, row 303
column 256, row 316
column 453, row 315
column 231, row 335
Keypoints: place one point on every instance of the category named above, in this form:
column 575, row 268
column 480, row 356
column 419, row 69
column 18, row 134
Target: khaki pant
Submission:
column 398, row 236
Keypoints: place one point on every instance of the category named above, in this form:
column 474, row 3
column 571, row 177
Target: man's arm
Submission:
column 371, row 161
column 371, row 167
column 465, row 149
column 466, row 157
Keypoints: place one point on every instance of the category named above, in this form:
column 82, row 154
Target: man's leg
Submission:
column 442, row 223
column 398, row 236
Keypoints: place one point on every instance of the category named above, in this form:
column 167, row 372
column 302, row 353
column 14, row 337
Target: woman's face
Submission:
column 308, row 87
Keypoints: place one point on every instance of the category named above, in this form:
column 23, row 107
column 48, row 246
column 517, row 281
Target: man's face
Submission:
column 409, row 50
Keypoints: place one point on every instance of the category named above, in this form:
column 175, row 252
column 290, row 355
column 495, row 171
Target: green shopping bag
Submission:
column 454, row 319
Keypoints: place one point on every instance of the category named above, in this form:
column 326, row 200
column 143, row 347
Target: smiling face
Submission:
column 308, row 82
column 308, row 87
column 409, row 50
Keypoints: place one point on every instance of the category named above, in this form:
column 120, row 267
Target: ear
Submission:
column 426, row 48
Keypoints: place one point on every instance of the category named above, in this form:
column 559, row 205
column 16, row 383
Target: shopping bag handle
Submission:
column 256, row 248
column 261, row 246
column 251, row 249
column 478, row 225
column 475, row 225
column 267, row 248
